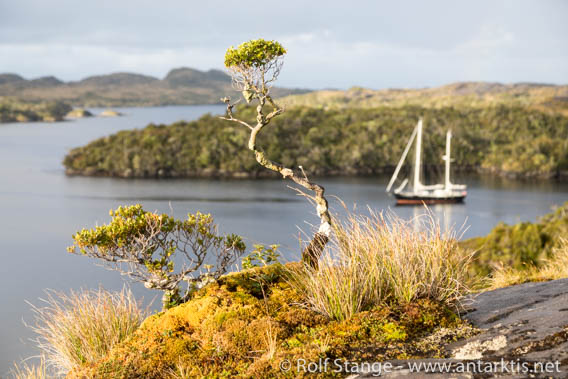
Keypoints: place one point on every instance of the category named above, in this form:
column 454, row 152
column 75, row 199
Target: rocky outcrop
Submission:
column 79, row 113
column 524, row 334
column 110, row 113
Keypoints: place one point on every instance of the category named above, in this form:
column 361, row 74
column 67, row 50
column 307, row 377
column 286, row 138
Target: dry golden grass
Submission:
column 81, row 327
column 553, row 268
column 26, row 370
column 380, row 259
column 181, row 371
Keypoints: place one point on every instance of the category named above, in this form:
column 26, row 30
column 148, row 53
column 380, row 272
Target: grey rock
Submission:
column 525, row 335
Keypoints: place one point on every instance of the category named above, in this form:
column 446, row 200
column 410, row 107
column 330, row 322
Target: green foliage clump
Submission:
column 148, row 242
column 254, row 53
column 261, row 256
column 12, row 110
column 521, row 245
column 230, row 329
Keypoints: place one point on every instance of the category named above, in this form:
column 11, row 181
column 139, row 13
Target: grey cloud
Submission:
column 331, row 43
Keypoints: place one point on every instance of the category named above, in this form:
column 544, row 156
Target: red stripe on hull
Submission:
column 428, row 202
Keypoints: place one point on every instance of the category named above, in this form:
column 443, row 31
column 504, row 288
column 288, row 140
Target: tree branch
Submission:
column 237, row 120
column 313, row 251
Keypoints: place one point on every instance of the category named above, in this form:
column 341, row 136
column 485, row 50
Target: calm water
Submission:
column 41, row 208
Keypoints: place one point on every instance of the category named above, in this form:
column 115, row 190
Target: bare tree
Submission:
column 254, row 66
column 143, row 245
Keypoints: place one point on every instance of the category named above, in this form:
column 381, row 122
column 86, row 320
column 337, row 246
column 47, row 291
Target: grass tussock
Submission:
column 383, row 259
column 27, row 370
column 555, row 267
column 81, row 327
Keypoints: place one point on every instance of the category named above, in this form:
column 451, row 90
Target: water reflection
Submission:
column 142, row 199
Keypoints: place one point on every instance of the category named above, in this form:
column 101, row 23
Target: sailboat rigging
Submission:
column 421, row 193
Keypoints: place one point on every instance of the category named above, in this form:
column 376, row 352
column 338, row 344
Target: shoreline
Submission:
column 386, row 171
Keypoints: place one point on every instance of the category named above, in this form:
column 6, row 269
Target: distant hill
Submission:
column 181, row 86
column 542, row 97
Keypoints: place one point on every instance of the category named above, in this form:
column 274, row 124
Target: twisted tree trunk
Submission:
column 313, row 251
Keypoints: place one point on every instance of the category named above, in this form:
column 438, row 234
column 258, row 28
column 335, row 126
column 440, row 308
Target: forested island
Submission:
column 12, row 110
column 504, row 140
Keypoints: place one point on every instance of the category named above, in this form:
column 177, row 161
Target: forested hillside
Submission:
column 508, row 141
column 544, row 97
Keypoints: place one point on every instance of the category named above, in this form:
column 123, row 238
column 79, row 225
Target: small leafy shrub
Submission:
column 81, row 327
column 261, row 256
column 143, row 245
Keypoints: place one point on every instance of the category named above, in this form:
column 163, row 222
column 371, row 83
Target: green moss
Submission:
column 394, row 332
column 227, row 330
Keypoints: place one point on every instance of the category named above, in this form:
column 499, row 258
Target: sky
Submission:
column 331, row 44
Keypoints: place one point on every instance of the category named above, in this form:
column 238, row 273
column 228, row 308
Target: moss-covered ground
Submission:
column 245, row 324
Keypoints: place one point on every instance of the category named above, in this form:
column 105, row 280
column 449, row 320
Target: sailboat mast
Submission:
column 401, row 161
column 448, row 159
column 417, row 162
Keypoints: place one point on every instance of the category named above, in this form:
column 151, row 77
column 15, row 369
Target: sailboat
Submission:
column 421, row 193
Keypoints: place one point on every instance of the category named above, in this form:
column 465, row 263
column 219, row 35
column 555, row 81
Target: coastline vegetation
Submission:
column 504, row 141
column 524, row 246
column 555, row 267
column 13, row 110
